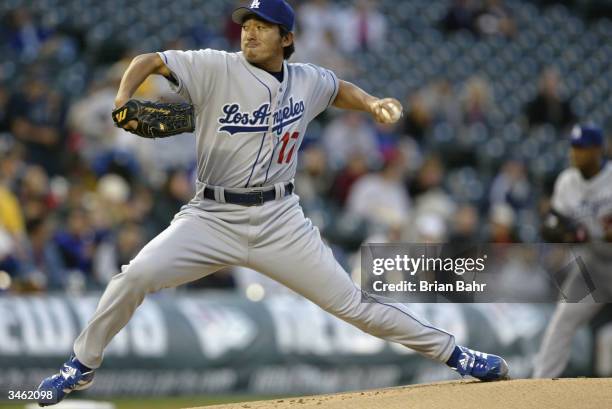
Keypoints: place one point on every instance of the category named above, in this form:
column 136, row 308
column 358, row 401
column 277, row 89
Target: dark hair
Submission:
column 290, row 49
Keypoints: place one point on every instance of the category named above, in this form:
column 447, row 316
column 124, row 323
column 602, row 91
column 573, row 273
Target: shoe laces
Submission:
column 480, row 364
column 471, row 362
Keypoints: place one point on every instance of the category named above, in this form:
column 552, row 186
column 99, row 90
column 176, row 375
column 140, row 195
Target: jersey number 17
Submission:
column 285, row 140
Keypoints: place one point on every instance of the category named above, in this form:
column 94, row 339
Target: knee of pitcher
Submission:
column 350, row 311
column 140, row 276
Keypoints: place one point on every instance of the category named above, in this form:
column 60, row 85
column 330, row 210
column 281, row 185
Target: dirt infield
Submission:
column 581, row 393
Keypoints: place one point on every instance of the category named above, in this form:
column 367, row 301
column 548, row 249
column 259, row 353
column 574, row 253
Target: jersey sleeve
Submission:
column 562, row 193
column 324, row 85
column 196, row 72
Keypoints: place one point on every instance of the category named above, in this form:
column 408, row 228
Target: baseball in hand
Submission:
column 387, row 110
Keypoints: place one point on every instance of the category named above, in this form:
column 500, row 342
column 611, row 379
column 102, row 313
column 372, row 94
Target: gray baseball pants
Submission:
column 274, row 239
column 567, row 319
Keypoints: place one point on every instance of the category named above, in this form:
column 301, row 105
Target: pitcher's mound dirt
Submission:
column 581, row 393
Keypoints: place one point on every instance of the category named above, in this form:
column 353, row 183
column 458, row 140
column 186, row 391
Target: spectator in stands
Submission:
column 88, row 117
column 198, row 36
column 37, row 118
column 12, row 164
column 13, row 236
column 317, row 19
column 549, row 107
column 511, row 186
column 24, row 35
column 140, row 206
column 326, row 54
column 119, row 162
column 46, row 269
column 443, row 102
column 464, row 225
column 75, row 197
column 12, row 232
column 320, row 46
column 356, row 167
column 387, row 138
column 430, row 105
column 11, row 216
column 8, row 261
column 418, row 119
column 109, row 204
column 389, row 230
column 34, row 196
column 501, row 227
column 314, row 180
column 361, row 28
column 494, row 18
column 77, row 244
column 477, row 101
column 428, row 194
column 461, row 15
column 427, row 227
column 382, row 192
column 347, row 134
column 4, row 117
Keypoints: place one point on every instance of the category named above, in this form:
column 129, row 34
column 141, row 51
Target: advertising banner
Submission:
column 222, row 343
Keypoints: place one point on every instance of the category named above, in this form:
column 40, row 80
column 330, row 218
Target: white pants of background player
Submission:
column 274, row 239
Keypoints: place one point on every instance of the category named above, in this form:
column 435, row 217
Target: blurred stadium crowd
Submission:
column 490, row 89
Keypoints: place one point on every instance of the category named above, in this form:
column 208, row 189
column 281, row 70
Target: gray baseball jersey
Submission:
column 588, row 202
column 249, row 128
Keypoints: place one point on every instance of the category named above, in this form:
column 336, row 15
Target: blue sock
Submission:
column 454, row 358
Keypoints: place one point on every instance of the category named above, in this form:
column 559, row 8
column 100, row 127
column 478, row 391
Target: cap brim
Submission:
column 240, row 13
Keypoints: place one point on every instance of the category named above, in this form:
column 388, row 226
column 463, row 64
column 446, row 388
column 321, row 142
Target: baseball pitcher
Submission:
column 250, row 111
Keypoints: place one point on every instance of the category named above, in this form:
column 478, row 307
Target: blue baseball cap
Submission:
column 586, row 135
column 273, row 11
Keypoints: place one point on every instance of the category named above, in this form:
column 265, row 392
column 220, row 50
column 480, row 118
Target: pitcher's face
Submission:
column 260, row 41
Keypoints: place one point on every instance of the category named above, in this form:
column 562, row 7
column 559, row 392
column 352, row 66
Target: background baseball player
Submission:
column 581, row 212
column 252, row 109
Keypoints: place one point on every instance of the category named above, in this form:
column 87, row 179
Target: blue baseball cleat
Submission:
column 486, row 367
column 73, row 376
